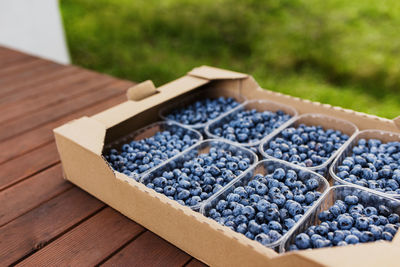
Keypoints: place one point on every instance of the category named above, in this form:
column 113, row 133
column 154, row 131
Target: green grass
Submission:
column 345, row 53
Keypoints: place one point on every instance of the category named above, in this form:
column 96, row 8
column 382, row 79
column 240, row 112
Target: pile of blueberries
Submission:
column 373, row 164
column 267, row 206
column 249, row 126
column 137, row 157
column 194, row 179
column 308, row 146
column 202, row 111
column 349, row 222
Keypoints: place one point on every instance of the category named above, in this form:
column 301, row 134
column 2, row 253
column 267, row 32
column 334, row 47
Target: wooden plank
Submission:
column 30, row 193
column 53, row 97
column 9, row 51
column 20, row 168
column 42, row 135
column 89, row 243
column 32, row 162
column 24, row 76
column 20, row 66
column 13, row 84
column 43, row 224
column 36, row 119
column 149, row 250
column 10, row 94
column 34, row 65
column 8, row 59
column 195, row 263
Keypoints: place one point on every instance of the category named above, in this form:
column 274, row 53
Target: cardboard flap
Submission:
column 397, row 121
column 211, row 73
column 85, row 131
column 141, row 91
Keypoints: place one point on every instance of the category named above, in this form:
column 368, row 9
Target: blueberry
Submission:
column 254, row 227
column 390, row 228
column 367, row 237
column 338, row 236
column 274, row 225
column 279, row 174
column 319, row 243
column 271, row 214
column 169, row 190
column 249, row 212
column 345, row 222
column 241, row 219
column 321, row 230
column 393, row 218
column 312, row 183
column 184, row 194
column 351, row 239
column 376, row 231
column 289, row 223
column 274, row 235
column 294, row 208
column 263, row 205
column 325, row 216
column 242, row 228
column 387, row 236
column 351, row 200
column 261, row 189
column 369, row 211
column 302, row 241
column 263, row 238
column 362, row 223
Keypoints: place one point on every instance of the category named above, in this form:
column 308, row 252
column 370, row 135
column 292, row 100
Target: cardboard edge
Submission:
column 85, row 131
column 397, row 121
column 212, row 73
column 257, row 247
column 317, row 107
column 121, row 112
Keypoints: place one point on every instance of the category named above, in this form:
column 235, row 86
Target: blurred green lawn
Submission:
column 345, row 53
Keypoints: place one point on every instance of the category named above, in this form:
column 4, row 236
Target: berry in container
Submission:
column 346, row 215
column 311, row 140
column 144, row 149
column 193, row 176
column 267, row 201
column 198, row 108
column 371, row 160
column 251, row 122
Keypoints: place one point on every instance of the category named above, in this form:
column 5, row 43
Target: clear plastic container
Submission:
column 260, row 106
column 201, row 148
column 212, row 93
column 265, row 167
column 366, row 197
column 347, row 150
column 312, row 119
column 150, row 131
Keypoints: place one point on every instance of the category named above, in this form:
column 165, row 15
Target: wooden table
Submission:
column 44, row 219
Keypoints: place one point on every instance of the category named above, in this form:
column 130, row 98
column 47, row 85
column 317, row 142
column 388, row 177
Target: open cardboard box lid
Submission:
column 80, row 144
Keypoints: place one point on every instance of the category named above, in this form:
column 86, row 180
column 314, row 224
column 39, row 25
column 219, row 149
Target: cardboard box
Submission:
column 80, row 144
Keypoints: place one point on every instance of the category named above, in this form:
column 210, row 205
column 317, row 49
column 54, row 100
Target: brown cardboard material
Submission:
column 80, row 144
column 141, row 91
